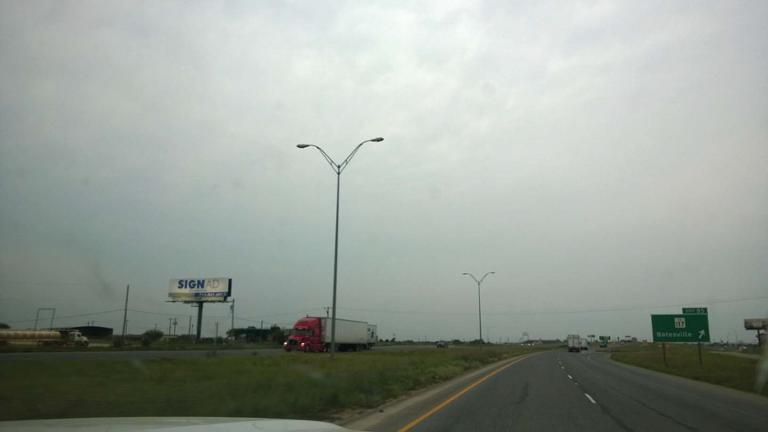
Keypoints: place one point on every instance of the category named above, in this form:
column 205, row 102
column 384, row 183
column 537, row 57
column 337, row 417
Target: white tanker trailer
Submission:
column 44, row 337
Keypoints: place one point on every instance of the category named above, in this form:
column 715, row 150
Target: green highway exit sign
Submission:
column 680, row 328
column 695, row 310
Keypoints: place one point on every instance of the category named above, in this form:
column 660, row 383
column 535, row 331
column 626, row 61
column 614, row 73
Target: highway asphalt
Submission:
column 561, row 391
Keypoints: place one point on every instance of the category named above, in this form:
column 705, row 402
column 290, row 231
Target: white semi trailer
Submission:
column 63, row 337
column 574, row 343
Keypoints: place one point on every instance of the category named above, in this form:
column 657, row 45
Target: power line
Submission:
column 423, row 312
column 558, row 312
column 70, row 316
column 91, row 284
column 165, row 314
column 631, row 308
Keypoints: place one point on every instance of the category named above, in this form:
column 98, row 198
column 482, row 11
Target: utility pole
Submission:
column 189, row 331
column 170, row 323
column 175, row 322
column 53, row 315
column 125, row 311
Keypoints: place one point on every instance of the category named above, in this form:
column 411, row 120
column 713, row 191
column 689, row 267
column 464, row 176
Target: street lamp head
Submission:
column 302, row 145
column 379, row 139
column 465, row 274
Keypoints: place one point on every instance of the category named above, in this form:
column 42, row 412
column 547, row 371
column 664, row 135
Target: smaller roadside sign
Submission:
column 695, row 310
column 680, row 328
column 756, row 324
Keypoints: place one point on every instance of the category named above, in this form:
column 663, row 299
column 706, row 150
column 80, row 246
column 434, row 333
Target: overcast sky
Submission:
column 608, row 160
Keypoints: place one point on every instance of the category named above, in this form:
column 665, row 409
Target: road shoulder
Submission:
column 703, row 385
column 397, row 413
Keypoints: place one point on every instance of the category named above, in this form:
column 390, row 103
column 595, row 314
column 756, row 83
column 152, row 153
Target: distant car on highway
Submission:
column 441, row 344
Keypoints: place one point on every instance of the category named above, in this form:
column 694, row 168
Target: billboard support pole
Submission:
column 199, row 320
column 232, row 324
column 664, row 353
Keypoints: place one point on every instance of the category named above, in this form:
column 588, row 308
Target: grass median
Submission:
column 682, row 360
column 306, row 386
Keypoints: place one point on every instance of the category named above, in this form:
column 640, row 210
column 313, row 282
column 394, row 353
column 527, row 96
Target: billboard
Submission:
column 200, row 290
column 756, row 324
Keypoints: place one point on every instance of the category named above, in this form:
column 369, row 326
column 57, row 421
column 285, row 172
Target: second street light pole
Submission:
column 337, row 168
column 479, row 310
column 335, row 265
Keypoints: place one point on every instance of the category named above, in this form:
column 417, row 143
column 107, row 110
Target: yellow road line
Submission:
column 444, row 403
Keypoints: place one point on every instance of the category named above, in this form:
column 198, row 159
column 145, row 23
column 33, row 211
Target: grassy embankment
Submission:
column 308, row 386
column 682, row 360
column 157, row 346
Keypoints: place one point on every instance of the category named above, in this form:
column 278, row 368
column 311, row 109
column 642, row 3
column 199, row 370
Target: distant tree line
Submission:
column 252, row 334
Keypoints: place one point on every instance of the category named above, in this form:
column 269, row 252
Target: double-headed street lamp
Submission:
column 479, row 312
column 337, row 168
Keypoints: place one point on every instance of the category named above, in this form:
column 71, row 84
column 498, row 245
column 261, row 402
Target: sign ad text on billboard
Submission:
column 200, row 289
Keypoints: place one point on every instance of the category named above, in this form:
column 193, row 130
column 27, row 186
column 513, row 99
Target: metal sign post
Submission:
column 699, row 345
column 697, row 311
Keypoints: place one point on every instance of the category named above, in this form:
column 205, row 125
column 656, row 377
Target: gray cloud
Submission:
column 602, row 158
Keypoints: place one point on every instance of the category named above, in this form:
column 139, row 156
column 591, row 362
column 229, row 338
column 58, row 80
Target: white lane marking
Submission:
column 570, row 377
column 590, row 398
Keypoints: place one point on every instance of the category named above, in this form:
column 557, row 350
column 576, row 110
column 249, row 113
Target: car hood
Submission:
column 168, row 424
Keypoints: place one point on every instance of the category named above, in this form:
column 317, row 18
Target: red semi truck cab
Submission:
column 307, row 335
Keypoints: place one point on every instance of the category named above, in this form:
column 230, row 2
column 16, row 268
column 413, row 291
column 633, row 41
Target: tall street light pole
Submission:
column 338, row 169
column 479, row 311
